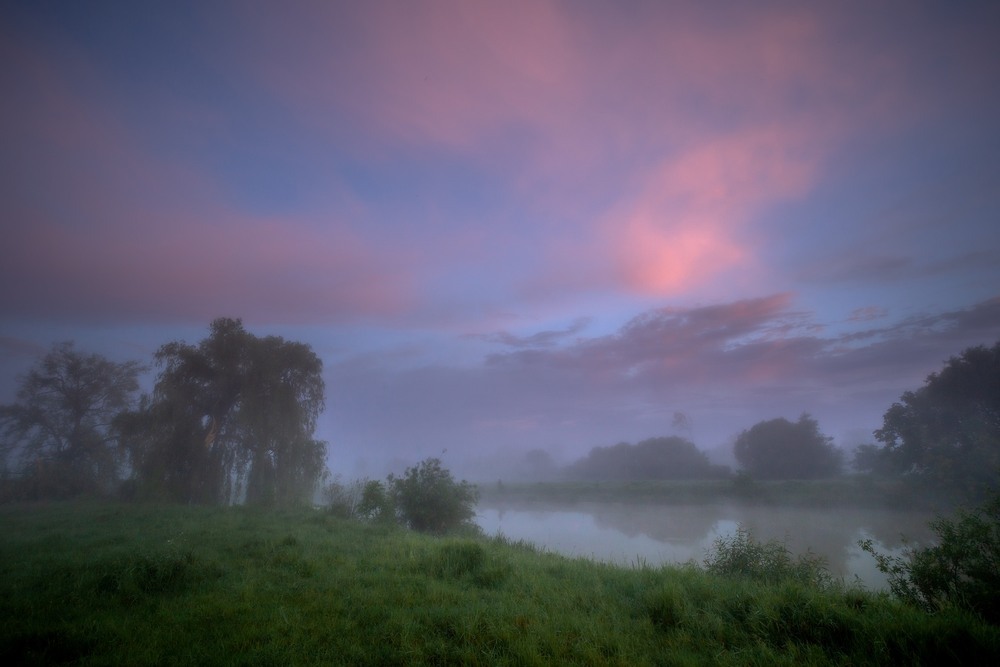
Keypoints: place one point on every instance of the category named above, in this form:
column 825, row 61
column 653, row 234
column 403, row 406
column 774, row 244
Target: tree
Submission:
column 62, row 433
column 656, row 458
column 947, row 433
column 231, row 419
column 429, row 500
column 780, row 449
column 869, row 458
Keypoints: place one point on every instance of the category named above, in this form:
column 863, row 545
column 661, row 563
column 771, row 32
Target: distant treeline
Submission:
column 672, row 458
column 232, row 420
column 944, row 436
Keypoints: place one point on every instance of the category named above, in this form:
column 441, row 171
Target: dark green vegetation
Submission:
column 427, row 499
column 229, row 420
column 947, row 433
column 136, row 584
column 962, row 570
column 780, row 449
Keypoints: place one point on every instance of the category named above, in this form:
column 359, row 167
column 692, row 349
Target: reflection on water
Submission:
column 630, row 534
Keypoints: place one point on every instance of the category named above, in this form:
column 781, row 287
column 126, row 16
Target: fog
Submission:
column 631, row 534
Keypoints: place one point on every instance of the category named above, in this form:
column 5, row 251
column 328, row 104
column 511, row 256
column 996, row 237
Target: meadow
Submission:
column 135, row 584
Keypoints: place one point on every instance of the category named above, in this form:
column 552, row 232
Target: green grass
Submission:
column 138, row 585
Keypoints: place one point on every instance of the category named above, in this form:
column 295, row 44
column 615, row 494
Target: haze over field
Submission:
column 506, row 226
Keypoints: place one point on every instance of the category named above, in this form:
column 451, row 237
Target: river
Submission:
column 630, row 534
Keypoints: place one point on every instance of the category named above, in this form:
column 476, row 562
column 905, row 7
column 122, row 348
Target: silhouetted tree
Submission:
column 61, row 435
column 656, row 458
column 947, row 433
column 232, row 418
column 780, row 449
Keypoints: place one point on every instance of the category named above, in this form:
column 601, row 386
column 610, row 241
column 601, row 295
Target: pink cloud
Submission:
column 685, row 226
column 646, row 140
column 265, row 270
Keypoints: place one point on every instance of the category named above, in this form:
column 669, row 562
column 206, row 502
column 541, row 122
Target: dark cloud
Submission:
column 539, row 339
column 867, row 314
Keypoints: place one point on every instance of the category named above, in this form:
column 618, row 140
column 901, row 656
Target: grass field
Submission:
column 103, row 584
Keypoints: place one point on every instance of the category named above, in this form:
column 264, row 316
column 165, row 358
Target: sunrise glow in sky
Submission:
column 512, row 225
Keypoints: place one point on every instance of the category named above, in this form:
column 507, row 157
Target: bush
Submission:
column 962, row 571
column 376, row 504
column 344, row 499
column 742, row 556
column 429, row 500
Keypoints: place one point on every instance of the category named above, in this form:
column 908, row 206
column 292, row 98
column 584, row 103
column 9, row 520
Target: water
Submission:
column 652, row 535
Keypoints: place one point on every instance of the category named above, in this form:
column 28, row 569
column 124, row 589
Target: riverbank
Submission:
column 102, row 584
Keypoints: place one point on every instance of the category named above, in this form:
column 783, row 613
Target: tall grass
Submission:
column 168, row 585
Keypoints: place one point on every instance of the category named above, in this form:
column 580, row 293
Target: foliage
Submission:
column 376, row 502
column 947, row 433
column 742, row 556
column 780, row 449
column 656, row 458
column 61, row 435
column 232, row 419
column 365, row 499
column 428, row 499
column 145, row 585
column 962, row 570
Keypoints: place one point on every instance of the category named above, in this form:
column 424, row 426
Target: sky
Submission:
column 512, row 225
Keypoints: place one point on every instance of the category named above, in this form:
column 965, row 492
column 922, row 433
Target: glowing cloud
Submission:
column 685, row 226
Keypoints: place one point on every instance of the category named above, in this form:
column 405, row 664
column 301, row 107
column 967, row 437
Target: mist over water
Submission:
column 632, row 534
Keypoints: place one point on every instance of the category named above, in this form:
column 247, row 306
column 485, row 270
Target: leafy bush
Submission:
column 365, row 499
column 742, row 556
column 429, row 500
column 963, row 570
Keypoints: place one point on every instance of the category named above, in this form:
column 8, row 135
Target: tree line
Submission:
column 944, row 436
column 231, row 419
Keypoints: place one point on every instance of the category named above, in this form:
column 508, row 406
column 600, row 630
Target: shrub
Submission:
column 344, row 499
column 962, row 570
column 429, row 500
column 742, row 556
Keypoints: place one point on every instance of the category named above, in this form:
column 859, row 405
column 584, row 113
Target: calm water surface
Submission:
column 631, row 534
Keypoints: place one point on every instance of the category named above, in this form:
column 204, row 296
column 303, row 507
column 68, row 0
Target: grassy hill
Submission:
column 102, row 584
